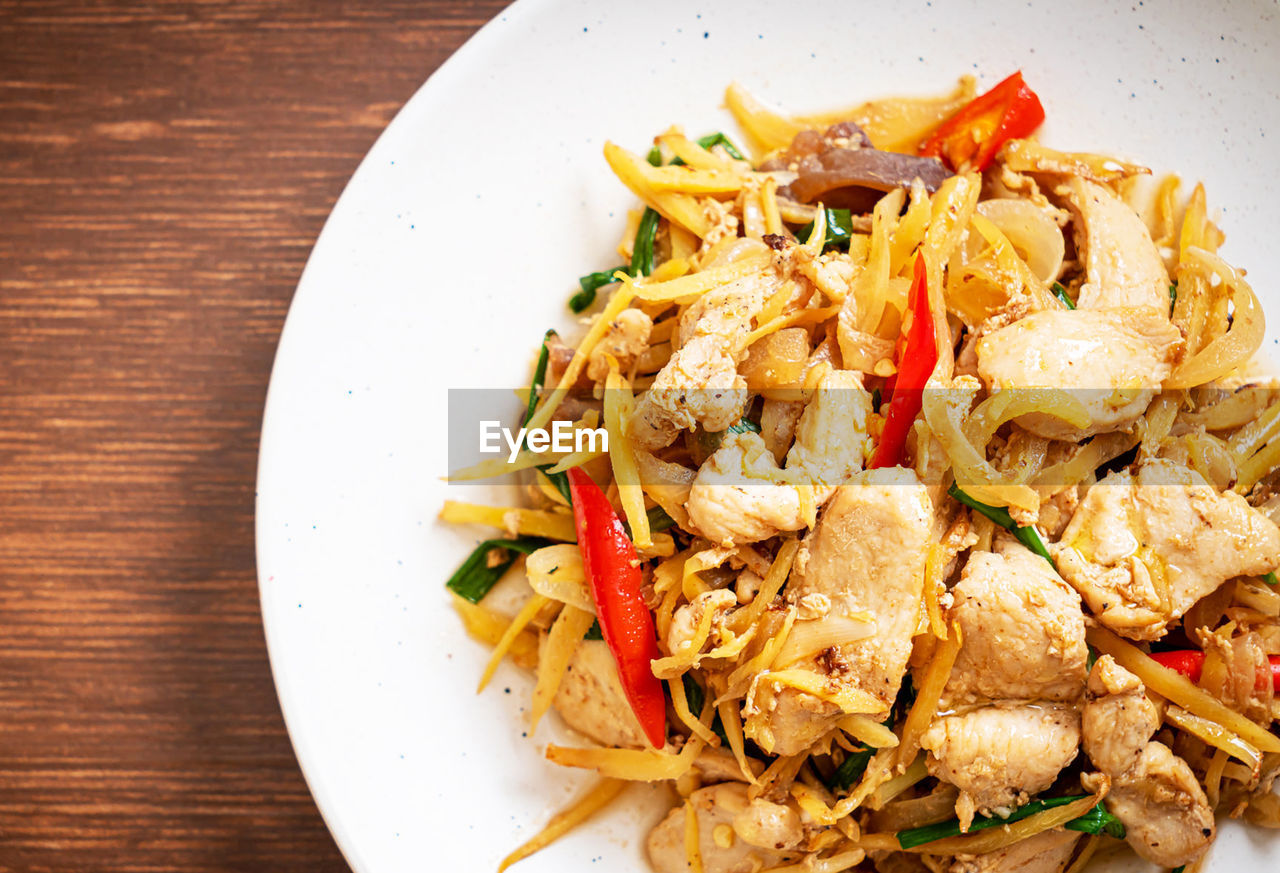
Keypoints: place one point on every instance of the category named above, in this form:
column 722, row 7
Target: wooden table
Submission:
column 164, row 170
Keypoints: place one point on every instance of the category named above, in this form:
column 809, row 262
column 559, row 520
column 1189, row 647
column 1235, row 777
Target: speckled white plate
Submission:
column 458, row 241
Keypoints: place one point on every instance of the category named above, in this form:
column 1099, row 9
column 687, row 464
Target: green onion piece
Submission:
column 839, row 229
column 718, row 138
column 850, row 770
column 1091, row 659
column 655, row 157
column 659, row 520
column 1271, row 579
column 559, row 480
column 594, row 632
column 1173, row 296
column 744, row 425
column 475, row 577
column 1095, row 821
column 539, row 377
column 693, row 694
column 1061, row 294
column 1028, row 536
column 590, row 284
column 642, row 252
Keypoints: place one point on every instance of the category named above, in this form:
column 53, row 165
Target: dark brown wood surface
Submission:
column 164, row 171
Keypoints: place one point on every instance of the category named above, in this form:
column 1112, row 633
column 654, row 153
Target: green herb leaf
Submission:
column 594, row 632
column 1095, row 821
column 1271, row 579
column 850, row 770
column 744, row 425
column 839, row 229
column 1173, row 296
column 693, row 694
column 475, row 577
column 659, row 520
column 642, row 251
column 1028, row 536
column 539, row 377
column 718, row 138
column 590, row 284
column 655, row 157
column 1061, row 293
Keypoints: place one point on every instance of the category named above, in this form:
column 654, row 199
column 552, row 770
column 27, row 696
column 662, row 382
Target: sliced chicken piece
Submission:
column 1154, row 793
column 721, row 811
column 831, row 437
column 866, row 556
column 1122, row 264
column 700, row 384
column 1112, row 361
column 1142, row 549
column 999, row 756
column 741, row 495
column 1023, row 630
column 1166, row 815
column 626, row 338
column 591, row 700
column 1046, row 852
column 1118, row 719
column 684, row 623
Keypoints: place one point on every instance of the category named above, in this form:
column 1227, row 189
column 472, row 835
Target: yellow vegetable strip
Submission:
column 934, row 585
column 562, row 642
column 1179, row 689
column 899, row 124
column 1234, row 348
column 693, row 854
column 637, row 765
column 868, row 731
column 691, row 180
column 1082, row 858
column 601, row 795
column 850, row 700
column 731, row 721
column 619, row 301
column 887, row 791
column 767, row 128
column 680, row 703
column 992, row 839
column 489, row 627
column 930, row 693
column 695, row 284
column 514, row 520
column 634, row 170
column 526, row 614
column 617, row 408
column 695, row 155
column 769, row 588
column 1215, row 735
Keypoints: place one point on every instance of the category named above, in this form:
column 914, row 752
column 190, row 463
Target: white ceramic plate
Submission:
column 458, row 241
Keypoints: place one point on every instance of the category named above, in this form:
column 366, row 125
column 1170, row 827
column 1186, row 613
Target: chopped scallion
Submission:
column 1028, row 536
column 477, row 576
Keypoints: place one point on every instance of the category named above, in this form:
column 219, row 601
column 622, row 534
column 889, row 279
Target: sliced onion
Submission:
column 556, row 572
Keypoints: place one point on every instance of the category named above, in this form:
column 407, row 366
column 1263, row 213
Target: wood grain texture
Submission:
column 164, row 171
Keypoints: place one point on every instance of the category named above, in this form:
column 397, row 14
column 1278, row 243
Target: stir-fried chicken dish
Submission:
column 937, row 523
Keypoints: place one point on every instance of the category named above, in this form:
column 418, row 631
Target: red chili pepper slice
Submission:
column 1190, row 662
column 613, row 574
column 969, row 139
column 917, row 356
